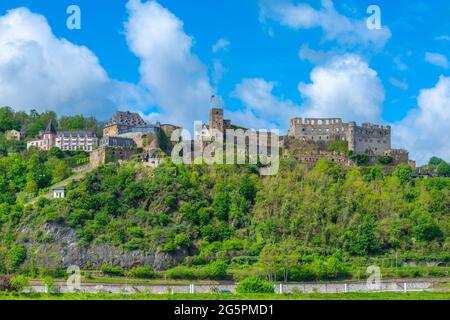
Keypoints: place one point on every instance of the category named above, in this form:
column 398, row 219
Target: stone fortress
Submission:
column 126, row 135
column 368, row 138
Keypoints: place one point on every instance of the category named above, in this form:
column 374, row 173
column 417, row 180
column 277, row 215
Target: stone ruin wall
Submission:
column 317, row 129
column 369, row 138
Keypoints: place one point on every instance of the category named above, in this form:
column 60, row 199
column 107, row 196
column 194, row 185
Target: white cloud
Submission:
column 218, row 71
column 425, row 130
column 39, row 70
column 262, row 107
column 311, row 55
column 437, row 59
column 335, row 26
column 221, row 44
column 175, row 76
column 344, row 87
column 398, row 83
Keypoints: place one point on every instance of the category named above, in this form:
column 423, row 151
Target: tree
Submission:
column 435, row 161
column 443, row 169
column 270, row 260
column 288, row 256
column 17, row 255
column 248, row 189
column 56, row 152
column 61, row 171
column 403, row 172
column 7, row 121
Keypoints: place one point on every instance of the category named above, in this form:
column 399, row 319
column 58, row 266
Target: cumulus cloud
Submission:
column 437, row 59
column 176, row 78
column 336, row 27
column 221, row 44
column 39, row 70
column 343, row 87
column 260, row 103
column 425, row 130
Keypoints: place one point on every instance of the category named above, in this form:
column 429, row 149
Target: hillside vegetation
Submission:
column 302, row 224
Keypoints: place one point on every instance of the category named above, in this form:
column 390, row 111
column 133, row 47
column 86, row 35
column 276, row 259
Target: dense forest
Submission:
column 305, row 223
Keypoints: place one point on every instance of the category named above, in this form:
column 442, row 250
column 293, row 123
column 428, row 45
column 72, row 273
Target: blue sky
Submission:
column 278, row 59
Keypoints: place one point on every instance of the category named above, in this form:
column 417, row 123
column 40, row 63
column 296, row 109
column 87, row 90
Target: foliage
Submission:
column 385, row 160
column 112, row 270
column 144, row 272
column 435, row 161
column 403, row 173
column 19, row 282
column 338, row 146
column 255, row 284
column 443, row 169
column 360, row 159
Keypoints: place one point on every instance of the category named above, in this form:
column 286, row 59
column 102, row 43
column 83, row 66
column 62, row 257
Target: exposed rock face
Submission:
column 64, row 249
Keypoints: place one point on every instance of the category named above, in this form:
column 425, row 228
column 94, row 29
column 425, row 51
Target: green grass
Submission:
column 312, row 296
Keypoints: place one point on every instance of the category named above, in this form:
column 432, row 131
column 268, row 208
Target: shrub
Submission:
column 360, row 159
column 217, row 270
column 111, row 271
column 302, row 273
column 18, row 283
column 338, row 146
column 17, row 255
column 181, row 272
column 385, row 160
column 144, row 272
column 49, row 284
column 255, row 284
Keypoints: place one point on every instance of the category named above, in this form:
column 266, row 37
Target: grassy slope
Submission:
column 313, row 296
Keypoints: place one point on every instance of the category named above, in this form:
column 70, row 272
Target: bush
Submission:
column 18, row 283
column 385, row 160
column 17, row 255
column 360, row 159
column 302, row 273
column 217, row 270
column 181, row 272
column 144, row 272
column 49, row 284
column 255, row 284
column 111, row 271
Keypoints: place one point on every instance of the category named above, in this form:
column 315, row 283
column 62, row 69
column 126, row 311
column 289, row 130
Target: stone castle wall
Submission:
column 369, row 137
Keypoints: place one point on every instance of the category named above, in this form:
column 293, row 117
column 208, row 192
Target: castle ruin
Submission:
column 368, row 138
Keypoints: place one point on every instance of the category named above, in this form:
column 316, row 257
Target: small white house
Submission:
column 154, row 159
column 59, row 193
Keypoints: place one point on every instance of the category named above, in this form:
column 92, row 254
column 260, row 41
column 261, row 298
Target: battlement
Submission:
column 375, row 126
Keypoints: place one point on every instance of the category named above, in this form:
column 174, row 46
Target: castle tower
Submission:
column 351, row 135
column 216, row 119
column 216, row 114
column 49, row 136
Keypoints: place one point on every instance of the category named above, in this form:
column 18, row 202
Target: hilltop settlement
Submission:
column 127, row 135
